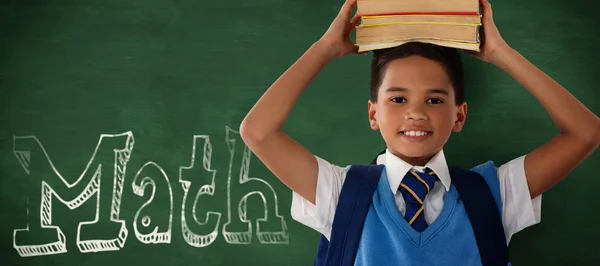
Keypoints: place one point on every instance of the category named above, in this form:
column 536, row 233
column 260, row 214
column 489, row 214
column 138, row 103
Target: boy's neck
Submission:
column 414, row 161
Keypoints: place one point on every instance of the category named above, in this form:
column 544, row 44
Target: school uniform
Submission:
column 448, row 238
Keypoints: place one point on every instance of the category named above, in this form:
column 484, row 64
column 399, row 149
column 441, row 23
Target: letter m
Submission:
column 103, row 177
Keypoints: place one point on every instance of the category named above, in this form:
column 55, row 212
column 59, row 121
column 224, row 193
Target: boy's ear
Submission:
column 373, row 115
column 461, row 116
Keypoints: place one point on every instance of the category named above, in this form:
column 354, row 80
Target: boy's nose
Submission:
column 416, row 113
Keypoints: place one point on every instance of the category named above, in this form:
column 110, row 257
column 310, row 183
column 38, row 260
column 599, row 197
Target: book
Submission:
column 382, row 45
column 400, row 7
column 389, row 23
column 420, row 19
column 400, row 32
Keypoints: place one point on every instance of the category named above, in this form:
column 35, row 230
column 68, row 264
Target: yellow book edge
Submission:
column 417, row 15
column 418, row 22
column 452, row 44
column 430, row 39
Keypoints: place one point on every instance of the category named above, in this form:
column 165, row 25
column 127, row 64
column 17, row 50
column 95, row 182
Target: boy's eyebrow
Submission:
column 391, row 89
column 441, row 91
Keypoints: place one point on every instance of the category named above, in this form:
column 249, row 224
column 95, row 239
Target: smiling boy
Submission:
column 417, row 100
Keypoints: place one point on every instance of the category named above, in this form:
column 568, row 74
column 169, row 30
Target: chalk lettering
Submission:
column 198, row 180
column 103, row 177
column 143, row 178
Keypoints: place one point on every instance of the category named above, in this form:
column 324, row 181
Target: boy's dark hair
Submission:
column 447, row 57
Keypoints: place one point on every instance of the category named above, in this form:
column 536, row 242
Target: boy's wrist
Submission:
column 503, row 57
column 324, row 49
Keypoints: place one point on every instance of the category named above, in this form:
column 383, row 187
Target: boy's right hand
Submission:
column 337, row 38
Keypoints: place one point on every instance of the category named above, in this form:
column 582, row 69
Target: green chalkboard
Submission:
column 119, row 122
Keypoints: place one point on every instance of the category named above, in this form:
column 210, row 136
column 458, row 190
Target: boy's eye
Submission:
column 434, row 101
column 398, row 99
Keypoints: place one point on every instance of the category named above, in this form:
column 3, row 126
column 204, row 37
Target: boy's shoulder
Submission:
column 485, row 169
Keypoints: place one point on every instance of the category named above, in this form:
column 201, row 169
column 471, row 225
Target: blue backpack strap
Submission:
column 350, row 214
column 322, row 251
column 484, row 215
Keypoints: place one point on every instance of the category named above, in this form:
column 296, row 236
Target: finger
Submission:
column 354, row 49
column 354, row 20
column 350, row 4
column 487, row 9
column 352, row 24
column 347, row 9
column 349, row 29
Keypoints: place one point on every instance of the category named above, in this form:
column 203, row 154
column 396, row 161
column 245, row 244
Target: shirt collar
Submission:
column 396, row 168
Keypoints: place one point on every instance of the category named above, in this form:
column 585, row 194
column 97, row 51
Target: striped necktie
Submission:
column 414, row 187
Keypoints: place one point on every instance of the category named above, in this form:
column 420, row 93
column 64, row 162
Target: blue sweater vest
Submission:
column 387, row 239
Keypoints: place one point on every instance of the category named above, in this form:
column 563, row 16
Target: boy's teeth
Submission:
column 415, row 133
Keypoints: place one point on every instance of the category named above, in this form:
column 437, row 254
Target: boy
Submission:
column 416, row 102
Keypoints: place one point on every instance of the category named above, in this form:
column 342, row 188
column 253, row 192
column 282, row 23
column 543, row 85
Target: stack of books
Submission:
column 389, row 23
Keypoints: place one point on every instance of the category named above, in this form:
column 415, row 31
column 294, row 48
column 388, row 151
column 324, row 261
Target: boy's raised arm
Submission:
column 579, row 127
column 261, row 129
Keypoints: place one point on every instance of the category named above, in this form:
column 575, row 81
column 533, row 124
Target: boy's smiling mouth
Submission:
column 416, row 134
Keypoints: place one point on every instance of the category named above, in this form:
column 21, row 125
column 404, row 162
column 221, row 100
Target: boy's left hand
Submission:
column 492, row 42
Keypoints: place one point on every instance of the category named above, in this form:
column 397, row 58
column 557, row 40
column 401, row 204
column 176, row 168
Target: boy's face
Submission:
column 415, row 110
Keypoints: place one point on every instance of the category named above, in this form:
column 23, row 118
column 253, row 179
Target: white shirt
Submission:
column 518, row 209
